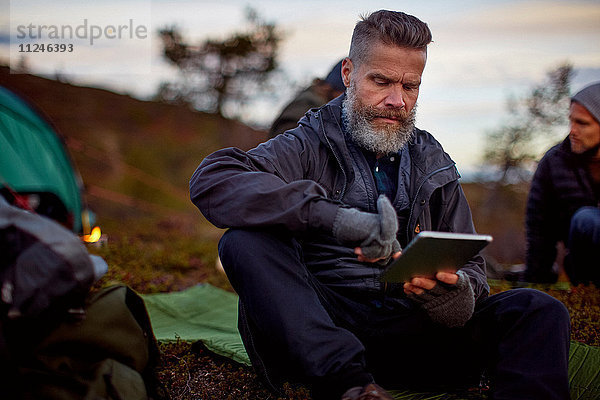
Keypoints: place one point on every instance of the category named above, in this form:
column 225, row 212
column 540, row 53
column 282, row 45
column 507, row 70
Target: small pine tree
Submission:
column 516, row 145
column 220, row 72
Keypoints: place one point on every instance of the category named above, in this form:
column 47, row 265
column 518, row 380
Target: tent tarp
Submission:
column 32, row 156
column 209, row 314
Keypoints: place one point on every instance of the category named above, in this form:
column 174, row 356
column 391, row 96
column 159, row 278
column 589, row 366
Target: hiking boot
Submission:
column 370, row 392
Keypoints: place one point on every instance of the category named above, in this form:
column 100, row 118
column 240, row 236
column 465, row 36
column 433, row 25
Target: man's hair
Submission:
column 388, row 27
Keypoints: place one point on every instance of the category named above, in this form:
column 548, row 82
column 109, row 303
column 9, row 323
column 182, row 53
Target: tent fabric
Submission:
column 209, row 314
column 32, row 156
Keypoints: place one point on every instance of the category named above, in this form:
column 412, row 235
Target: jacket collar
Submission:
column 326, row 121
column 565, row 148
column 425, row 151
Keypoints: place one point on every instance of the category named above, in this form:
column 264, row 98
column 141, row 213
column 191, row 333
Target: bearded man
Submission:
column 315, row 214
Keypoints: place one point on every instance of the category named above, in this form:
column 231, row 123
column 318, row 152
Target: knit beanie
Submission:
column 334, row 78
column 589, row 97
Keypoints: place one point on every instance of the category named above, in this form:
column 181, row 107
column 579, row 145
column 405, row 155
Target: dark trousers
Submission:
column 299, row 329
column 582, row 263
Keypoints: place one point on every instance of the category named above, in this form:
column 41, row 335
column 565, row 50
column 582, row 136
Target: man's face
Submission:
column 382, row 96
column 585, row 130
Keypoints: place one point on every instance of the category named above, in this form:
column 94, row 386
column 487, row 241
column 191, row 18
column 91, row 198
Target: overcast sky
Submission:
column 483, row 51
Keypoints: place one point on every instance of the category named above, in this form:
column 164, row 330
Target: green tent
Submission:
column 35, row 167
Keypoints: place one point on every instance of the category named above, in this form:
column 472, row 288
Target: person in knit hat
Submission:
column 318, row 93
column 564, row 199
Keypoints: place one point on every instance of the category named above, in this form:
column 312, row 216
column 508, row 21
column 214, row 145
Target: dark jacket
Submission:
column 297, row 181
column 291, row 114
column 560, row 186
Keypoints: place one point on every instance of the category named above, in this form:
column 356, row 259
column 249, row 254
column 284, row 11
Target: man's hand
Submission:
column 448, row 299
column 418, row 285
column 375, row 234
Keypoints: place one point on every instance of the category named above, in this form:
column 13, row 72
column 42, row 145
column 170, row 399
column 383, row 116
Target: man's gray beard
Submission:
column 390, row 138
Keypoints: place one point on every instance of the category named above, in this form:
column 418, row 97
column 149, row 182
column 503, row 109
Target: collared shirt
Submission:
column 385, row 173
column 391, row 174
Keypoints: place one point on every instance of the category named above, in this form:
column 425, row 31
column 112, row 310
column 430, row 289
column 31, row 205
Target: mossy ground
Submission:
column 169, row 257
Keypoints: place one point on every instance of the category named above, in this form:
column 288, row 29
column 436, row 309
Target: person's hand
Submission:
column 448, row 299
column 373, row 234
column 419, row 285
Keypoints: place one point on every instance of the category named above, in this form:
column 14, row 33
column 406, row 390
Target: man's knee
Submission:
column 551, row 306
column 238, row 247
column 243, row 249
column 530, row 303
column 230, row 246
column 586, row 220
column 238, row 251
column 232, row 242
column 250, row 242
column 547, row 306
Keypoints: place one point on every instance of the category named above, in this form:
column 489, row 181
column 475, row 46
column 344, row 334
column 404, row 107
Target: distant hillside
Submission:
column 134, row 156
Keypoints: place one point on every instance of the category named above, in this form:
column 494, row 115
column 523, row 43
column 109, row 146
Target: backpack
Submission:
column 109, row 354
column 59, row 339
column 45, row 270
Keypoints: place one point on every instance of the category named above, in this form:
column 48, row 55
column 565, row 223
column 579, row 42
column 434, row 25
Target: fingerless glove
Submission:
column 449, row 305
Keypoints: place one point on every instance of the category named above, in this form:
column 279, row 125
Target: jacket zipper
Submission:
column 412, row 207
column 343, row 191
column 385, row 284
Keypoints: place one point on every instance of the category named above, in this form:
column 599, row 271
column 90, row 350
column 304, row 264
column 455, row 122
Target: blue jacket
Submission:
column 298, row 180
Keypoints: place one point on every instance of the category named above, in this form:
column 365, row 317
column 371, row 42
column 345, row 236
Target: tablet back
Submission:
column 430, row 252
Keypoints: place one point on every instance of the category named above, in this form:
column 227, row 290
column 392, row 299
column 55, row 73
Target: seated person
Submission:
column 316, row 213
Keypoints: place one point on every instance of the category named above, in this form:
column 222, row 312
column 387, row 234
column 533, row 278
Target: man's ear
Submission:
column 347, row 68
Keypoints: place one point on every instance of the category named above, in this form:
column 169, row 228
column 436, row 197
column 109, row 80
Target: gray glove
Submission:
column 375, row 234
column 449, row 305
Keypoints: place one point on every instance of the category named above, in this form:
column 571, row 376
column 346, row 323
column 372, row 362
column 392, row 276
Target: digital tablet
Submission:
column 430, row 252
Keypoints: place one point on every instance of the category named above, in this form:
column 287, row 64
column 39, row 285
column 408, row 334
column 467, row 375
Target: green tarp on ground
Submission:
column 209, row 314
column 584, row 371
column 202, row 312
